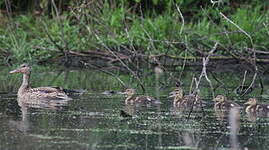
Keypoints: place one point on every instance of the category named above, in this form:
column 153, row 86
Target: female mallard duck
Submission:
column 254, row 107
column 221, row 103
column 27, row 94
column 181, row 100
column 132, row 99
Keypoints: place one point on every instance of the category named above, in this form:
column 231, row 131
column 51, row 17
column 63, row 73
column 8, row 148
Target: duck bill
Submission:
column 172, row 94
column 247, row 103
column 122, row 93
column 15, row 71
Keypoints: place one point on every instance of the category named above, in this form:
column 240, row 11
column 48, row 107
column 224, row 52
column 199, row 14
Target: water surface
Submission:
column 93, row 120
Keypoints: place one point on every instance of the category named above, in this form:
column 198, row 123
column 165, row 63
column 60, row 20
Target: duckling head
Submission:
column 177, row 93
column 219, row 98
column 24, row 69
column 251, row 101
column 129, row 92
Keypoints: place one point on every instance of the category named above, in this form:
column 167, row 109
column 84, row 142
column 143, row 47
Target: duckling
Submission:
column 253, row 106
column 221, row 103
column 181, row 100
column 132, row 99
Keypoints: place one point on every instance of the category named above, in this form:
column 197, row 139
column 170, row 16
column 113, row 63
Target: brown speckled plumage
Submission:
column 131, row 98
column 28, row 94
column 221, row 103
column 181, row 100
column 254, row 107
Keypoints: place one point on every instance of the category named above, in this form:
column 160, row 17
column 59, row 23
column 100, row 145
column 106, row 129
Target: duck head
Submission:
column 24, row 69
column 219, row 98
column 129, row 92
column 251, row 101
column 178, row 92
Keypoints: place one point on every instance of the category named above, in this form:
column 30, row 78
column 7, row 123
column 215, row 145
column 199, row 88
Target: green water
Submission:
column 93, row 120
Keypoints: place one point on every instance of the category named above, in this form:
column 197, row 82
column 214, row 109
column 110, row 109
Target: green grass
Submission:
column 35, row 38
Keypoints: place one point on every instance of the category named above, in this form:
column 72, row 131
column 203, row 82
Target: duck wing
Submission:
column 146, row 99
column 262, row 108
column 49, row 93
column 47, row 89
column 229, row 104
column 188, row 100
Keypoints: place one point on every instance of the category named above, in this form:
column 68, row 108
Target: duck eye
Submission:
column 24, row 65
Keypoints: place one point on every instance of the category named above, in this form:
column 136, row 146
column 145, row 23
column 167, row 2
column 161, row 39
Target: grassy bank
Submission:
column 178, row 29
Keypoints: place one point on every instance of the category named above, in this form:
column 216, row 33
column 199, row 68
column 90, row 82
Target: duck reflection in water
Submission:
column 128, row 111
column 24, row 125
column 189, row 139
column 38, row 97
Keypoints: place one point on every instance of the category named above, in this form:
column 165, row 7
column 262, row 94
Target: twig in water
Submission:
column 240, row 89
column 216, row 79
column 184, row 62
column 203, row 73
column 193, row 81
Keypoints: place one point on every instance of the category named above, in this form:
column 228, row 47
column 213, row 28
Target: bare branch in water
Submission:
column 204, row 74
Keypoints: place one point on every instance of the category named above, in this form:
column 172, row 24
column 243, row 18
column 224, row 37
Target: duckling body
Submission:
column 254, row 107
column 221, row 103
column 132, row 99
column 181, row 100
column 28, row 94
